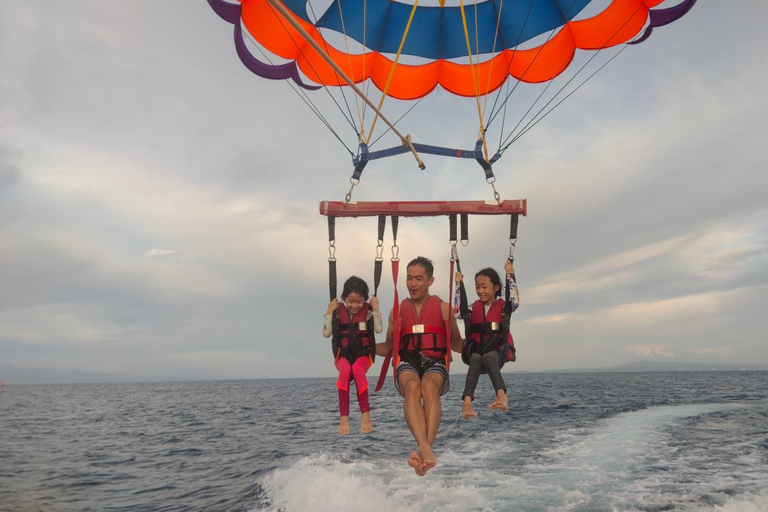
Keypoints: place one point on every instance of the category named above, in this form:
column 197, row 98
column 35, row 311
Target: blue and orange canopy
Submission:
column 466, row 49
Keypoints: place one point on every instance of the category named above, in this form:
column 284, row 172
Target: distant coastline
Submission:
column 13, row 375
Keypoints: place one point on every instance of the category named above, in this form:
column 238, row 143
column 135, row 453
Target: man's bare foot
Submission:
column 344, row 425
column 466, row 410
column 428, row 457
column 366, row 426
column 501, row 402
column 416, row 462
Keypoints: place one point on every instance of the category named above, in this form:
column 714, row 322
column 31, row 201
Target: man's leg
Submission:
column 415, row 417
column 431, row 386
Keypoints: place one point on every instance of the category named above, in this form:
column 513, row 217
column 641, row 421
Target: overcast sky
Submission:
column 159, row 203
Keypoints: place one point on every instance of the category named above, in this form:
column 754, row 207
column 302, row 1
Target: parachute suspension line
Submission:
column 538, row 117
column 503, row 117
column 303, row 96
column 474, row 71
column 351, row 118
column 541, row 94
column 291, row 21
column 362, row 117
column 406, row 140
column 392, row 70
column 349, row 63
column 509, row 94
column 395, row 123
column 493, row 51
column 494, row 112
column 531, row 123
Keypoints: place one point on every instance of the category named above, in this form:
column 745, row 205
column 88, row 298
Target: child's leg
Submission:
column 491, row 365
column 344, row 411
column 343, row 384
column 358, row 373
column 361, row 383
column 345, row 371
column 473, row 375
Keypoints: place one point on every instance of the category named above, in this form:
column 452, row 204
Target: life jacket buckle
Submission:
column 418, row 329
column 362, row 326
column 495, row 326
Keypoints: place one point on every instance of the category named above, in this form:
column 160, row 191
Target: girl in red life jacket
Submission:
column 488, row 344
column 352, row 324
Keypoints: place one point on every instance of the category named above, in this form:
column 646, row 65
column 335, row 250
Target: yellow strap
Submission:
column 392, row 70
column 474, row 77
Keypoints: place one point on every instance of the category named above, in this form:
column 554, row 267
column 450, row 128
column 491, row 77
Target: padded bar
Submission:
column 422, row 208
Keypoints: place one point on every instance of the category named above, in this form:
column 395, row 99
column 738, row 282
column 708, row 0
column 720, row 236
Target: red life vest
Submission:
column 485, row 332
column 425, row 331
column 364, row 342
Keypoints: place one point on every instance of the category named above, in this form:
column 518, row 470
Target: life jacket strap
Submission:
column 494, row 327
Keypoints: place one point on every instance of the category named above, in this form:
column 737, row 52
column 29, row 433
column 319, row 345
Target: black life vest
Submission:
column 353, row 337
column 489, row 332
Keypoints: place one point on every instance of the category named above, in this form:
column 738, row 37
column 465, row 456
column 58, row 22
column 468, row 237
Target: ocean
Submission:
column 688, row 441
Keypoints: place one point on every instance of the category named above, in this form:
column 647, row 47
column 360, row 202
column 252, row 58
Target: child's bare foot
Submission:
column 466, row 410
column 366, row 426
column 501, row 402
column 344, row 425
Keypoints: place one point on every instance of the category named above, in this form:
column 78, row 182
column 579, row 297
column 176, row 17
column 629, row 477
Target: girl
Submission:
column 352, row 324
column 488, row 344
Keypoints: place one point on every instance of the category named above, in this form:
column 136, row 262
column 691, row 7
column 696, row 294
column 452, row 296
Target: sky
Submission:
column 159, row 203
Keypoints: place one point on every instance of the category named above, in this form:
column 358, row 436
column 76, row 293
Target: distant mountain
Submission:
column 669, row 366
column 12, row 375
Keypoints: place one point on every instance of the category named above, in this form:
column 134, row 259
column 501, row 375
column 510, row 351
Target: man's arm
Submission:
column 382, row 349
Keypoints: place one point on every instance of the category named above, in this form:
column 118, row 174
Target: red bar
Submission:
column 422, row 208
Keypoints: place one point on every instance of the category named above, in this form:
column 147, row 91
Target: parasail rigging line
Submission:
column 392, row 71
column 473, row 69
column 494, row 112
column 349, row 61
column 406, row 140
column 350, row 119
column 531, row 123
column 398, row 120
column 535, row 119
column 303, row 96
column 493, row 51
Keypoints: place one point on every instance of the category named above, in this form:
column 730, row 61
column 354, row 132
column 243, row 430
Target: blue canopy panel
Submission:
column 438, row 32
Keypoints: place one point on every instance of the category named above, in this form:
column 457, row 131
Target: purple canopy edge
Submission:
column 231, row 14
column 661, row 17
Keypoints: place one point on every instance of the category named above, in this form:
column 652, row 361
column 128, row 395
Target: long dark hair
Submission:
column 493, row 276
column 355, row 285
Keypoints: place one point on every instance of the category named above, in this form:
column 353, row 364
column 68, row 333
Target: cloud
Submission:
column 707, row 351
column 650, row 351
column 154, row 252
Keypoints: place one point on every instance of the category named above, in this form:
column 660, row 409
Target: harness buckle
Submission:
column 362, row 326
column 495, row 326
column 418, row 329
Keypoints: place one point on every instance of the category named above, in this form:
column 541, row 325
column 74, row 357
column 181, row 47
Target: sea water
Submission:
column 570, row 442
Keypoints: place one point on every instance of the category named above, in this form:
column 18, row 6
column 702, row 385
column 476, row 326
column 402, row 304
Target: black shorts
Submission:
column 428, row 365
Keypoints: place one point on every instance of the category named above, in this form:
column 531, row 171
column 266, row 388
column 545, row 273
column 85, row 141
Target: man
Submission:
column 422, row 354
